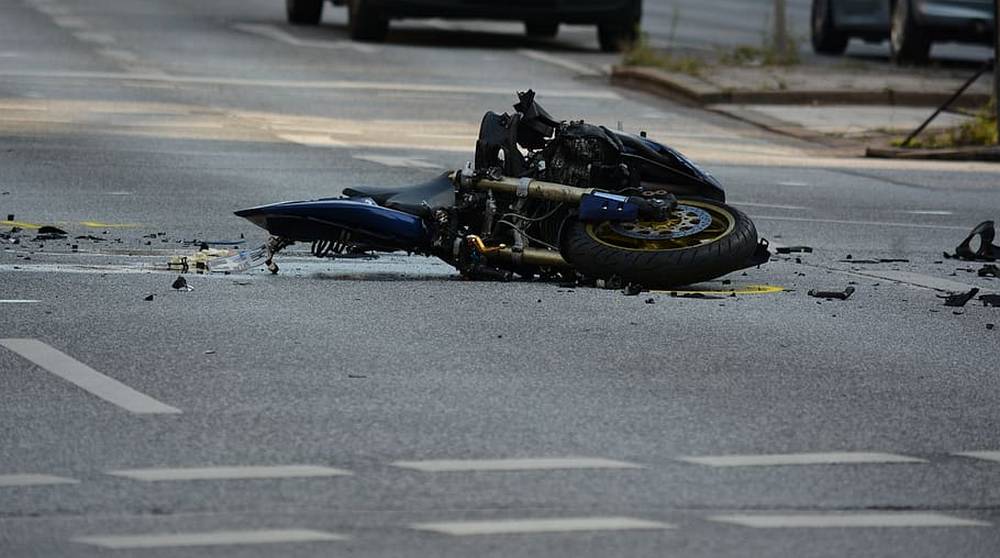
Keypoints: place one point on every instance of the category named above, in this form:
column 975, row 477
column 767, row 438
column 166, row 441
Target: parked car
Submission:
column 617, row 21
column 910, row 25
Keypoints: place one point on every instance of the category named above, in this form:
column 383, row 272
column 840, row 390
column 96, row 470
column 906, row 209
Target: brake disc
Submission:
column 685, row 221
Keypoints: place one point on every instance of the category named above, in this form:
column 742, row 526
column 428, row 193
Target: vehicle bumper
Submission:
column 565, row 11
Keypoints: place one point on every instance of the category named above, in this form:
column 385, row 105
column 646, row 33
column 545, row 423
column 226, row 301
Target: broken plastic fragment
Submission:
column 987, row 251
column 989, row 270
column 838, row 295
column 790, row 249
column 241, row 261
column 959, row 300
column 181, row 284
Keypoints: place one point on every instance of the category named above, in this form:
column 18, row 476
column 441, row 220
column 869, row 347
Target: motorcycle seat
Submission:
column 418, row 199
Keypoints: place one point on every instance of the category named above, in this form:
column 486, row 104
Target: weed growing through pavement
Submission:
column 980, row 131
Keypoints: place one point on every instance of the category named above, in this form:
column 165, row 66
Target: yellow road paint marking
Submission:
column 100, row 225
column 747, row 290
column 21, row 224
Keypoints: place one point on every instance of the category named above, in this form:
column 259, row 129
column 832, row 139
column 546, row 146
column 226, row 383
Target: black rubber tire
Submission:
column 304, row 12
column 541, row 29
column 365, row 22
column 617, row 36
column 663, row 269
column 908, row 44
column 826, row 39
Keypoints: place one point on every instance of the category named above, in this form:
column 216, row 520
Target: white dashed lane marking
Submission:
column 215, row 538
column 85, row 377
column 776, row 459
column 984, row 455
column 529, row 526
column 16, row 301
column 230, row 473
column 846, row 520
column 527, row 464
column 28, row 479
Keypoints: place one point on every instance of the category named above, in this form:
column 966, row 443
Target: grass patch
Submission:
column 980, row 131
column 641, row 54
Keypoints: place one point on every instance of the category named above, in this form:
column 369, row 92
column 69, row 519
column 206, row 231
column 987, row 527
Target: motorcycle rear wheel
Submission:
column 665, row 254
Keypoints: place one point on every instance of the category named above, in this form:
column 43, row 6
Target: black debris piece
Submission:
column 893, row 260
column 987, row 251
column 959, row 300
column 210, row 352
column 90, row 237
column 990, row 326
column 10, row 216
column 148, row 298
column 356, row 376
column 676, row 294
column 990, row 300
column 203, row 246
column 989, row 270
column 181, row 283
column 650, row 300
column 727, row 282
column 860, row 261
column 833, row 295
column 50, row 233
column 849, row 257
column 632, row 289
column 791, row 249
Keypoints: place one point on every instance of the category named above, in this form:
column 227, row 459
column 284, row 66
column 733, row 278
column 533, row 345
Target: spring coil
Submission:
column 331, row 248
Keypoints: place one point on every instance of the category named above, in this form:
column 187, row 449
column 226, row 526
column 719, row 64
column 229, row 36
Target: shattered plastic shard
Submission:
column 987, row 251
column 959, row 300
column 831, row 295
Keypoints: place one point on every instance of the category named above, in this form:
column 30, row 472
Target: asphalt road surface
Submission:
column 385, row 408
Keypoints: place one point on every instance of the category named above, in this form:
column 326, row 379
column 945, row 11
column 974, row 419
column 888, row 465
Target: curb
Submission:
column 990, row 154
column 672, row 84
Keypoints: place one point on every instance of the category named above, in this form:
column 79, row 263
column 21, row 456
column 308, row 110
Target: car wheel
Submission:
column 826, row 39
column 907, row 42
column 304, row 12
column 365, row 22
column 617, row 36
column 542, row 29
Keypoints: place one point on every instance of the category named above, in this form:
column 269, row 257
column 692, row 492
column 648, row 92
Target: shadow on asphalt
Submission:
column 409, row 36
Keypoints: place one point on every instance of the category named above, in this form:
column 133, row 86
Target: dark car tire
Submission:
column 541, row 29
column 617, row 36
column 908, row 43
column 826, row 39
column 366, row 23
column 304, row 12
column 660, row 269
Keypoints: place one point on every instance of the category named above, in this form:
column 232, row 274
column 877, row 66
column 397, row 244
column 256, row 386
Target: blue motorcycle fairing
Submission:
column 659, row 164
column 328, row 218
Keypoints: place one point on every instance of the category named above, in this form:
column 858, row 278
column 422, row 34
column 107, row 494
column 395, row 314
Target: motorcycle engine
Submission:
column 585, row 156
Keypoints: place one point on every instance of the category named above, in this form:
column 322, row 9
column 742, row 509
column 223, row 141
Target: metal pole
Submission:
column 780, row 29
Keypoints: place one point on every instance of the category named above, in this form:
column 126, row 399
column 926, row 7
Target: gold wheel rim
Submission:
column 722, row 225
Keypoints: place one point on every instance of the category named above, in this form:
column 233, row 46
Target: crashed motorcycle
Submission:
column 545, row 199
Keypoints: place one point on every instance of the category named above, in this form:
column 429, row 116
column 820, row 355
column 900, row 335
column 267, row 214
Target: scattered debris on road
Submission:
column 650, row 300
column 793, row 249
column 148, row 298
column 181, row 284
column 50, row 233
column 959, row 300
column 676, row 294
column 832, row 295
column 632, row 289
column 987, row 251
column 990, row 270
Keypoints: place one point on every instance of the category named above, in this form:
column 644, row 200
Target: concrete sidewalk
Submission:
column 827, row 103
